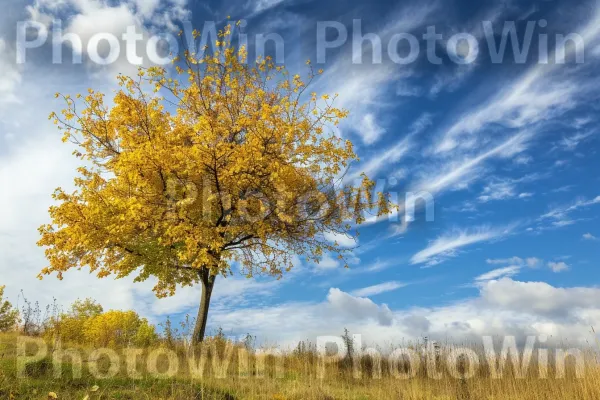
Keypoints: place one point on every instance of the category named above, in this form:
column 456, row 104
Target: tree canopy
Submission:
column 186, row 173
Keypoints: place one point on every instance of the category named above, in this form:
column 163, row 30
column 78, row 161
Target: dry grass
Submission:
column 298, row 379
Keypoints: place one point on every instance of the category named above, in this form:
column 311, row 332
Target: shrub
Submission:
column 88, row 308
column 69, row 327
column 87, row 323
column 117, row 329
column 8, row 315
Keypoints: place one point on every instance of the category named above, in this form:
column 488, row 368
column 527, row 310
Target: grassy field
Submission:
column 291, row 376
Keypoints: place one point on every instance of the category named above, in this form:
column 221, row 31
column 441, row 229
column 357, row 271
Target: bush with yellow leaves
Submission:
column 70, row 326
column 119, row 328
column 88, row 323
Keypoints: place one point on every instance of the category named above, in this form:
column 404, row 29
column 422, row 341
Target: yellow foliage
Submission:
column 86, row 323
column 227, row 163
column 118, row 328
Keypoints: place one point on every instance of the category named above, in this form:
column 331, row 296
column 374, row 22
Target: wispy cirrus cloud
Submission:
column 570, row 143
column 365, row 87
column 530, row 262
column 447, row 245
column 498, row 273
column 382, row 160
column 506, row 188
column 542, row 93
column 390, row 156
column 561, row 216
column 462, row 171
column 378, row 289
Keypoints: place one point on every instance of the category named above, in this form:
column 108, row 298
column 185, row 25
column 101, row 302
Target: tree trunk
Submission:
column 208, row 282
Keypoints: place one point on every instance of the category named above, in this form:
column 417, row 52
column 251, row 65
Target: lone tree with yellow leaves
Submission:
column 229, row 164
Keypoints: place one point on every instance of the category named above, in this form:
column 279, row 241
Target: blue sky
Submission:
column 508, row 152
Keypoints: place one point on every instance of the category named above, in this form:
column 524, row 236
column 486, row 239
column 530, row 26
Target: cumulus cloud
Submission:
column 532, row 261
column 503, row 307
column 589, row 236
column 558, row 266
column 89, row 18
column 539, row 298
column 358, row 307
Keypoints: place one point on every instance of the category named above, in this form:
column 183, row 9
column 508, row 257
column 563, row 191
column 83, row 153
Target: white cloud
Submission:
column 498, row 273
column 462, row 171
column 363, row 88
column 512, row 260
column 341, row 239
column 382, row 160
column 407, row 90
column 525, row 195
column 497, row 191
column 544, row 92
column 563, row 189
column 570, row 143
column 506, row 188
column 87, row 18
column 539, row 297
column 589, row 236
column 561, row 215
column 530, row 262
column 327, row 262
column 377, row 266
column 378, row 289
column 259, row 6
column 447, row 245
column 558, row 266
column 503, row 307
column 38, row 162
column 369, row 129
column 233, row 291
column 392, row 155
column 10, row 76
column 359, row 307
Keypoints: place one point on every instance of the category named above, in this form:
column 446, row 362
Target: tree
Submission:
column 88, row 308
column 8, row 315
column 224, row 163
